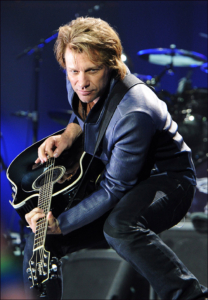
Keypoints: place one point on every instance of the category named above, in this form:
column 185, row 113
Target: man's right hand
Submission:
column 55, row 145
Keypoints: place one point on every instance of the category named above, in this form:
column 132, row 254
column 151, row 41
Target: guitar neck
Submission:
column 44, row 202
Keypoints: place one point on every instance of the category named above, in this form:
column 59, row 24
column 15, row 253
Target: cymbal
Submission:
column 176, row 57
column 60, row 116
column 204, row 68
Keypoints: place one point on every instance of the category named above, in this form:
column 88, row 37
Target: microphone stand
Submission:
column 155, row 80
column 168, row 69
column 35, row 112
column 37, row 50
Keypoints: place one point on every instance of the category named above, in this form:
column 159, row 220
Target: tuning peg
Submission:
column 54, row 259
column 53, row 268
column 30, row 278
column 53, row 276
column 28, row 270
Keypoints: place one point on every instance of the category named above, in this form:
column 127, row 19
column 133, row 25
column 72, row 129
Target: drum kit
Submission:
column 188, row 107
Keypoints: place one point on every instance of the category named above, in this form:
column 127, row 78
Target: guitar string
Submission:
column 43, row 223
column 49, row 190
column 43, row 201
column 38, row 225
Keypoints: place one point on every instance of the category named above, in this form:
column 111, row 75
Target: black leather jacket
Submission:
column 141, row 141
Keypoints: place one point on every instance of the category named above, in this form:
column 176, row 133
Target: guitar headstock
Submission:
column 41, row 268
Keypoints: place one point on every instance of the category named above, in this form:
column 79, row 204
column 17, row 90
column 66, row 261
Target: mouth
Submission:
column 84, row 93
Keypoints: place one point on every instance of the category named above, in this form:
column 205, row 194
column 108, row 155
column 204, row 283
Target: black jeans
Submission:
column 131, row 228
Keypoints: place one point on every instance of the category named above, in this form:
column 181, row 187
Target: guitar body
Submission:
column 26, row 177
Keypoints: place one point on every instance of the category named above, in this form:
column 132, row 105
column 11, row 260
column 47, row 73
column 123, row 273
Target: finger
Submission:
column 37, row 161
column 41, row 153
column 51, row 223
column 29, row 215
column 49, row 146
column 50, row 218
column 61, row 145
column 34, row 220
column 33, row 216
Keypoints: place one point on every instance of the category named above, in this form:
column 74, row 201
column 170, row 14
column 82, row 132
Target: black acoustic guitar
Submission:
column 50, row 186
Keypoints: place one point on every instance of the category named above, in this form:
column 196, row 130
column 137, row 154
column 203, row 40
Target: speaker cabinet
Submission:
column 191, row 247
column 101, row 274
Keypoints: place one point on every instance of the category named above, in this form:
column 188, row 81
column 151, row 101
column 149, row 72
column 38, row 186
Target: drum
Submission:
column 190, row 112
column 196, row 100
column 193, row 128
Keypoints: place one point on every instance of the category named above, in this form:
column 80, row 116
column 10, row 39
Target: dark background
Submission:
column 140, row 24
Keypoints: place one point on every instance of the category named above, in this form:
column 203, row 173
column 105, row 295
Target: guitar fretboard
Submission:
column 44, row 202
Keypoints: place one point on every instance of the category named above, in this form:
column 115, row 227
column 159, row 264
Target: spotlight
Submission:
column 127, row 60
column 123, row 57
column 191, row 118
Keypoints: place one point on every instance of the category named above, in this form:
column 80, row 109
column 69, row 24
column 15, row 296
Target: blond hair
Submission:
column 94, row 37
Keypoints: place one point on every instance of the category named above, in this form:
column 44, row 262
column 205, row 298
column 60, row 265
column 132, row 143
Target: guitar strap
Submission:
column 117, row 94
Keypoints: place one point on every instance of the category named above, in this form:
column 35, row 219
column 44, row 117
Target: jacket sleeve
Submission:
column 129, row 143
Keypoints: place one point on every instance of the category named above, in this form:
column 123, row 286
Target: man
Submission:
column 149, row 178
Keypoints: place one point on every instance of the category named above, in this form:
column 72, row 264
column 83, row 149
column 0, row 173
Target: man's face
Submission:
column 88, row 80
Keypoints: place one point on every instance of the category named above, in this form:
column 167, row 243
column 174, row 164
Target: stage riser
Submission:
column 102, row 274
column 191, row 247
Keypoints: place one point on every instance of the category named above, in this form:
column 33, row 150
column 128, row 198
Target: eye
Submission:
column 94, row 70
column 73, row 71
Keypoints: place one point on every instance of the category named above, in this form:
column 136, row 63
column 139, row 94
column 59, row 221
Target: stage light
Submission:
column 123, row 57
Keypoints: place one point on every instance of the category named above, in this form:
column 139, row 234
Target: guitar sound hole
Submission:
column 48, row 177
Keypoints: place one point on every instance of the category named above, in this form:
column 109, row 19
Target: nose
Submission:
column 83, row 80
